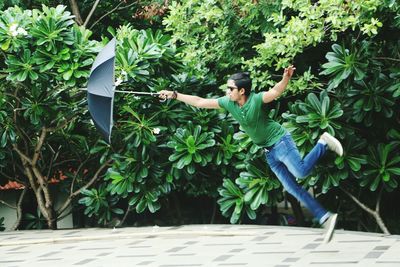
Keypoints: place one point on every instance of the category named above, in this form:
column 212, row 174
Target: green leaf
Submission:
column 67, row 75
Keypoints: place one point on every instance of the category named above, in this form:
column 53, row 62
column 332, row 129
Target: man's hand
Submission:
column 278, row 89
column 165, row 94
column 288, row 72
column 190, row 99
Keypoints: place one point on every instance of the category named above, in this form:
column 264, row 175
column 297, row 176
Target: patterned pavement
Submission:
column 197, row 245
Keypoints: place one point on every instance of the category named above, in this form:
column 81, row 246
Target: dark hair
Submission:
column 242, row 80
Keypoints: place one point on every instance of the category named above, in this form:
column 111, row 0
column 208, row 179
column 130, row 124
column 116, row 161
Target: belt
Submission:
column 269, row 148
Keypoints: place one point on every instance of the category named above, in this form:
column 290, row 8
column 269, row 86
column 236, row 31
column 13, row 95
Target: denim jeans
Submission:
column 285, row 161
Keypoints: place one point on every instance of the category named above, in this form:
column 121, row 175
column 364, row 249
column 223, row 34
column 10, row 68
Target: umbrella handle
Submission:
column 141, row 93
column 137, row 93
column 130, row 92
column 134, row 93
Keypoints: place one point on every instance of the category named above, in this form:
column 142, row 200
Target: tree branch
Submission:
column 74, row 194
column 8, row 204
column 36, row 190
column 22, row 155
column 91, row 13
column 111, row 11
column 387, row 58
column 62, row 125
column 54, row 156
column 364, row 207
column 59, row 218
column 44, row 187
column 378, row 202
column 125, row 216
column 21, row 132
column 19, row 209
column 39, row 146
column 76, row 12
column 373, row 213
column 6, row 176
column 77, row 172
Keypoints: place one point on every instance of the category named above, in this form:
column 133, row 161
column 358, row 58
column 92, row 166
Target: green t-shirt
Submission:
column 253, row 117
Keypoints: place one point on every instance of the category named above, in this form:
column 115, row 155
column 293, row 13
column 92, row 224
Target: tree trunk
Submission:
column 43, row 198
column 374, row 213
column 38, row 182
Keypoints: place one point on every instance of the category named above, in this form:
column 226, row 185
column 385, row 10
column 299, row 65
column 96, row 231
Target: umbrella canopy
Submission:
column 100, row 90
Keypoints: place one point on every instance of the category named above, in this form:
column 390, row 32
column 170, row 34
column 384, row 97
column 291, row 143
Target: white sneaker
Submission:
column 333, row 143
column 329, row 226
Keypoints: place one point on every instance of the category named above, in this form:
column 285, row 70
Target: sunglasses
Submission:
column 232, row 88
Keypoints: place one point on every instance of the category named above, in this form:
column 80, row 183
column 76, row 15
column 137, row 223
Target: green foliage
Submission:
column 353, row 159
column 217, row 34
column 327, row 177
column 45, row 55
column 35, row 221
column 227, row 147
column 100, row 203
column 141, row 128
column 147, row 199
column 260, row 185
column 308, row 120
column 190, row 145
column 13, row 24
column 233, row 197
column 302, row 24
column 256, row 187
column 369, row 98
column 2, row 228
column 46, row 40
column 342, row 64
column 155, row 151
column 137, row 176
column 143, row 54
column 382, row 169
column 395, row 77
column 51, row 26
column 320, row 112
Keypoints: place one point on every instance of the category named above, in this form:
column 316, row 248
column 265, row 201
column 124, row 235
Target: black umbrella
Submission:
column 101, row 89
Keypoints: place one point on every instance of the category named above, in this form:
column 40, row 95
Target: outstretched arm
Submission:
column 278, row 89
column 192, row 100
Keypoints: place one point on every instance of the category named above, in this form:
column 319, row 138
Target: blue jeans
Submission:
column 285, row 161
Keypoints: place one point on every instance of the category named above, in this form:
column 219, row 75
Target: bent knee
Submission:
column 301, row 174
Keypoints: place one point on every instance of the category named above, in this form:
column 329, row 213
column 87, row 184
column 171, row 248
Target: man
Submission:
column 251, row 111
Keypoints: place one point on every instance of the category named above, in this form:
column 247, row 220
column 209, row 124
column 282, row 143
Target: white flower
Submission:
column 22, row 31
column 156, row 130
column 119, row 81
column 15, row 30
column 13, row 27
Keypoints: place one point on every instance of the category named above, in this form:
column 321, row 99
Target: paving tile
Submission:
column 83, row 262
column 197, row 245
column 373, row 254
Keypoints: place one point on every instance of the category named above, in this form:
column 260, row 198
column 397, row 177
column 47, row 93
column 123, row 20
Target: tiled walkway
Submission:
column 197, row 245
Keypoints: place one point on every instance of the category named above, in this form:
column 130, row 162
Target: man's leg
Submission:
column 284, row 156
column 325, row 218
column 290, row 156
column 292, row 187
